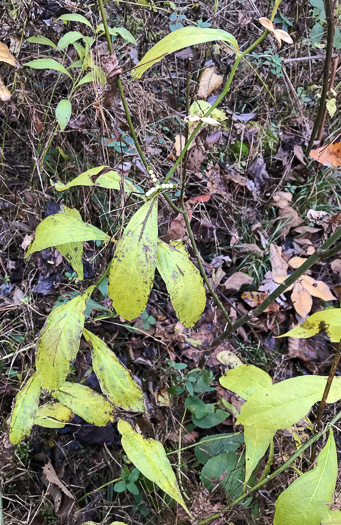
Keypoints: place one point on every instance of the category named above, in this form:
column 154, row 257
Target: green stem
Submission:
column 281, row 288
column 285, row 465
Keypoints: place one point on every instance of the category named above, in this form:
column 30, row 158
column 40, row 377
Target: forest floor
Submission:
column 251, row 193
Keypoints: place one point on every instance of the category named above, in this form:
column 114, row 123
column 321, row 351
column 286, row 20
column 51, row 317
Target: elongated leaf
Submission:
column 184, row 282
column 328, row 321
column 257, row 441
column 24, row 410
column 59, row 341
column 150, row 458
column 245, row 380
column 73, row 251
column 110, row 180
column 75, row 17
column 47, row 63
column 115, row 380
column 63, row 113
column 283, row 404
column 178, row 40
column 122, row 31
column 41, row 40
column 69, row 38
column 133, row 267
column 86, row 403
column 307, row 500
column 52, row 415
column 62, row 229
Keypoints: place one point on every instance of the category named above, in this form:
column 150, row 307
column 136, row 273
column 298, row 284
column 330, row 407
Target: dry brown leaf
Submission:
column 236, row 281
column 209, row 82
column 6, row 56
column 179, row 144
column 296, row 262
column 328, row 155
column 52, row 477
column 5, row 94
column 278, row 264
column 301, row 299
column 254, row 299
column 279, row 34
column 317, row 288
column 286, row 213
column 111, row 66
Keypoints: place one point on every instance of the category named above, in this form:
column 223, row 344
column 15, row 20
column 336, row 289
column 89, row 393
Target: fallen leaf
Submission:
column 301, row 299
column 209, row 82
column 236, row 281
column 328, row 155
column 229, row 359
column 5, row 94
column 279, row 34
column 254, row 299
column 179, row 144
column 286, row 213
column 111, row 66
column 6, row 56
column 52, row 477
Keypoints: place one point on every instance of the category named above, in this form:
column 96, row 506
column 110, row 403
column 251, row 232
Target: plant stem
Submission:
column 282, row 287
column 325, row 395
column 328, row 5
column 285, row 465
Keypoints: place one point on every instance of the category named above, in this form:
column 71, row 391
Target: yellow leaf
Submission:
column 328, row 321
column 257, row 441
column 331, row 106
column 229, row 359
column 183, row 281
column 245, row 380
column 73, row 251
column 110, row 180
column 59, row 341
column 6, row 56
column 53, row 415
column 133, row 266
column 24, row 410
column 150, row 458
column 86, row 403
column 115, row 380
column 209, row 82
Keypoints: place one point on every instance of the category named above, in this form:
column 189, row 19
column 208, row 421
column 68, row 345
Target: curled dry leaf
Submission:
column 328, row 155
column 5, row 94
column 286, row 212
column 111, row 66
column 209, row 82
column 6, row 56
column 279, row 34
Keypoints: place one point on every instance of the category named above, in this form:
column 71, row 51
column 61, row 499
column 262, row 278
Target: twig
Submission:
column 274, row 474
column 329, row 9
column 335, row 61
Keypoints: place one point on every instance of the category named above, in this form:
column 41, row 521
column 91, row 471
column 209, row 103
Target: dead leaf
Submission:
column 236, row 281
column 52, row 477
column 209, row 82
column 278, row 264
column 279, row 34
column 111, row 66
column 6, row 56
column 179, row 144
column 286, row 213
column 37, row 123
column 28, row 239
column 328, row 155
column 301, row 299
column 254, row 299
column 5, row 94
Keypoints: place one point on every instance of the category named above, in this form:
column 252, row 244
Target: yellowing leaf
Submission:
column 178, row 40
column 333, row 518
column 245, row 380
column 209, row 82
column 281, row 405
column 6, row 56
column 24, row 410
column 307, row 500
column 86, row 403
column 115, row 380
column 110, row 180
column 200, row 107
column 62, row 229
column 52, row 415
column 257, row 441
column 183, row 281
column 331, row 106
column 133, row 267
column 5, row 94
column 328, row 321
column 73, row 251
column 150, row 458
column 59, row 341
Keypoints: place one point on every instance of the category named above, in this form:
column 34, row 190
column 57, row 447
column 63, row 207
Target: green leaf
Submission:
column 316, row 33
column 62, row 229
column 200, row 108
column 178, row 40
column 42, row 40
column 110, row 180
column 124, row 33
column 245, row 380
column 333, row 518
column 74, row 17
column 47, row 63
column 226, row 469
column 115, row 380
column 59, row 341
column 216, row 444
column 328, row 321
column 196, row 407
column 63, row 113
column 24, row 411
column 257, row 441
column 53, row 415
column 331, row 106
column 133, row 266
column 150, row 458
column 86, row 403
column 307, row 500
column 183, row 281
column 73, row 251
column 69, row 38
column 213, row 418
column 282, row 405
